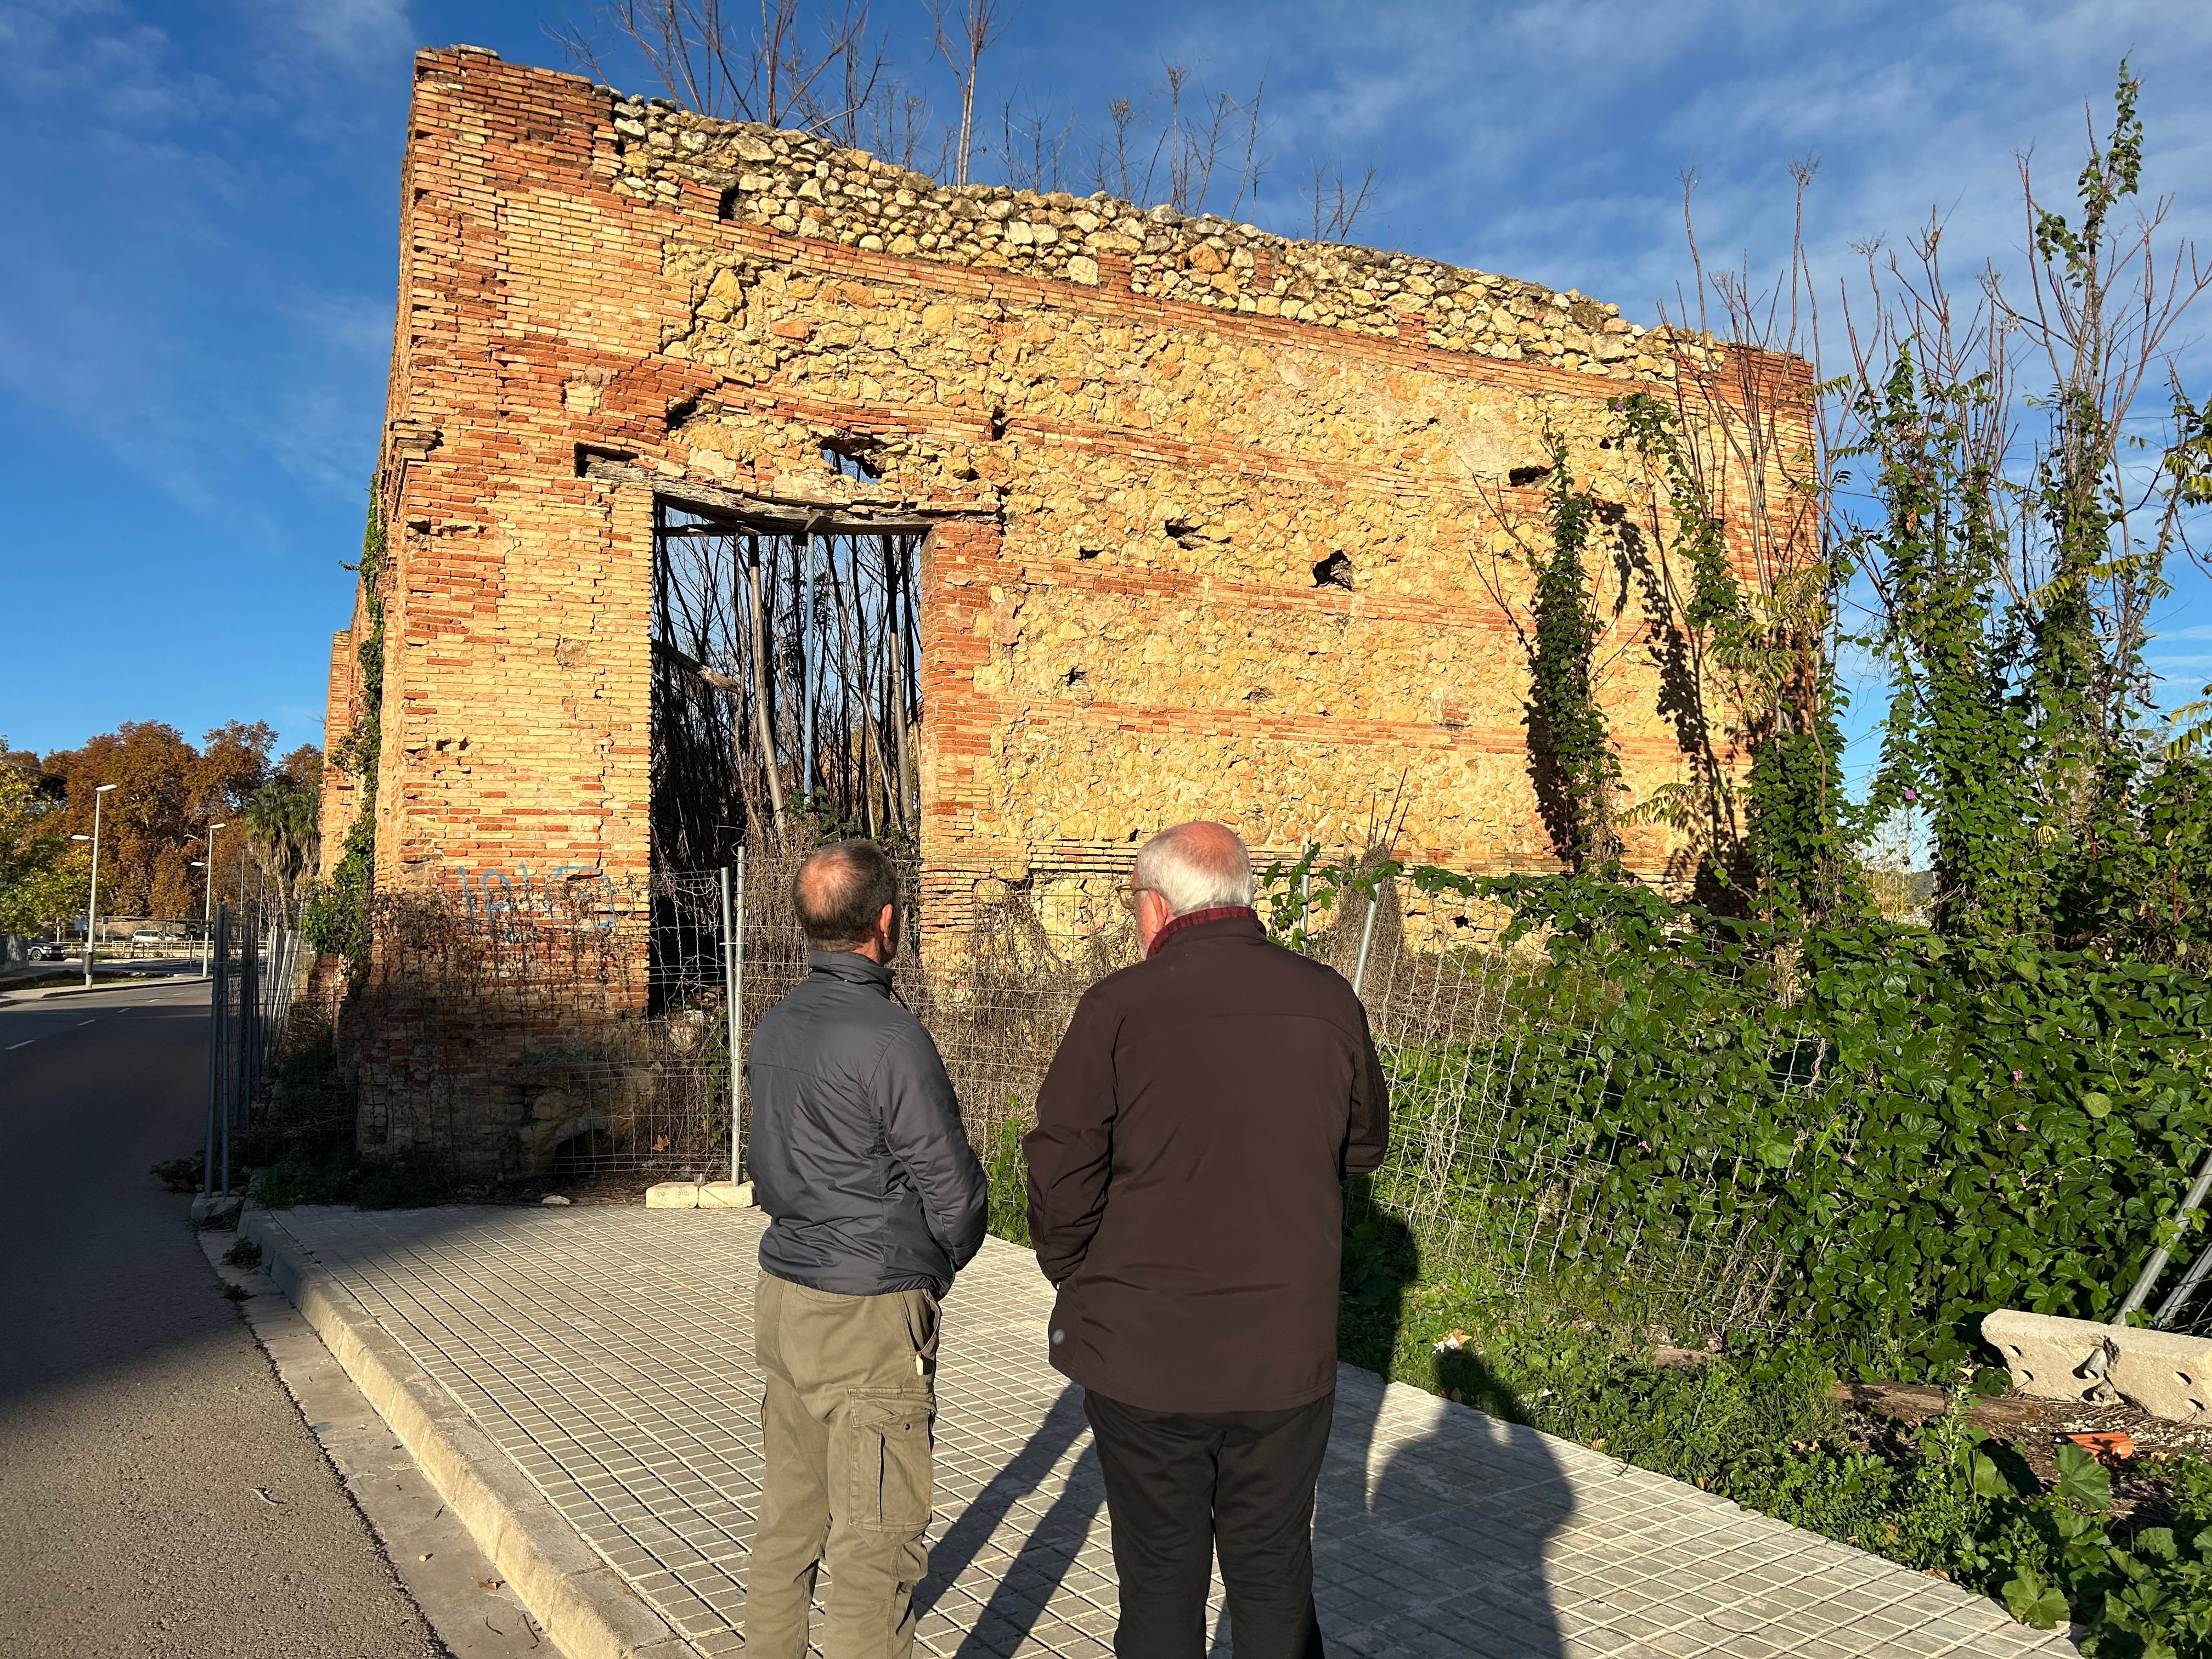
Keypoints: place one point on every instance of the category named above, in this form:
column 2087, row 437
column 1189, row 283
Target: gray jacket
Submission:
column 857, row 1154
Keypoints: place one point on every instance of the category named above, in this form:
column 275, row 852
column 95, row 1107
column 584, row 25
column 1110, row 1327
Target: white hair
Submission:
column 1195, row 867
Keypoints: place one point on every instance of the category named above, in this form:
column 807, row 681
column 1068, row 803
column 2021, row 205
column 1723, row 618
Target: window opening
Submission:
column 785, row 684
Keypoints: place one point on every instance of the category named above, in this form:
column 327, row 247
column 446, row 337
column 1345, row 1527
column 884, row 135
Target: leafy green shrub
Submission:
column 1910, row 1130
column 1007, row 1173
column 303, row 1180
column 182, row 1175
column 410, row 1181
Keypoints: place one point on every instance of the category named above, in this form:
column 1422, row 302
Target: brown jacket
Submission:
column 1185, row 1174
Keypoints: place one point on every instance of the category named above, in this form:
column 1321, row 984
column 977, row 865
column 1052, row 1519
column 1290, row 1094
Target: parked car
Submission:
column 51, row 950
column 148, row 936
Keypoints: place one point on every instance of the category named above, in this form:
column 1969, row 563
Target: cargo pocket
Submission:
column 890, row 1462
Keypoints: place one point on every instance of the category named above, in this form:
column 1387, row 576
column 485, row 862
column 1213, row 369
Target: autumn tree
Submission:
column 154, row 824
column 41, row 869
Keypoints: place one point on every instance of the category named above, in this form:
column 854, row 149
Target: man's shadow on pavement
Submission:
column 1048, row 1553
column 1427, row 1518
column 1444, row 1512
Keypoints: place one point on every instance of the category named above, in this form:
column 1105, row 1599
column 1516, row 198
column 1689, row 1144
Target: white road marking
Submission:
column 82, row 1023
column 25, row 1043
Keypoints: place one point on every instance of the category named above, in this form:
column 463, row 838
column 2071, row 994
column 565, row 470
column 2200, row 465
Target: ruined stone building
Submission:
column 1187, row 519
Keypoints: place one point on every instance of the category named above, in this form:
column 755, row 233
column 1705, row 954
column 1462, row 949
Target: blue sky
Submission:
column 196, row 311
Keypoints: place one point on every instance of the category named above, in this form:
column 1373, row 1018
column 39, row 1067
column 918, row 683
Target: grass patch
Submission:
column 409, row 1182
column 182, row 1175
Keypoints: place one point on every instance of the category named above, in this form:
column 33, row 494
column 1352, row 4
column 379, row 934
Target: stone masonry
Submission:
column 1137, row 440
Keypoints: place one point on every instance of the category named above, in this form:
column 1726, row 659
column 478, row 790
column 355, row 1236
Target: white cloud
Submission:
column 153, row 307
column 351, row 33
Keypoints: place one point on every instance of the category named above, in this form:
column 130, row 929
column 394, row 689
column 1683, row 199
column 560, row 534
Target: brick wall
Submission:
column 1138, row 436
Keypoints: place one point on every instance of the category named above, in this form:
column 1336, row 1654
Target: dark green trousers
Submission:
column 846, row 1423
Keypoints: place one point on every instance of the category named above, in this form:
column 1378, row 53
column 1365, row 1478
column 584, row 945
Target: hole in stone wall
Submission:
column 1522, row 476
column 1335, row 571
column 1074, row 676
column 1182, row 532
column 579, row 1154
column 849, row 460
column 1086, row 553
column 998, row 424
column 727, row 207
column 682, row 410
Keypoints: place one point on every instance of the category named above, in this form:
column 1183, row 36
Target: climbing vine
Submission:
column 1577, row 772
column 336, row 918
column 1759, row 662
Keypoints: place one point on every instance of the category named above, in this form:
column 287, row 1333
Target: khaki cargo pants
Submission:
column 845, row 1427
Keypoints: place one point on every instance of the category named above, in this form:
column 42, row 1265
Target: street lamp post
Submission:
column 207, row 920
column 91, row 903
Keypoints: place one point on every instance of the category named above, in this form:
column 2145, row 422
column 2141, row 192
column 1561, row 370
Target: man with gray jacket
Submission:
column 875, row 1201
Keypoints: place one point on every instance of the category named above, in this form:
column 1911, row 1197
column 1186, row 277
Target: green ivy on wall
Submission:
column 336, row 918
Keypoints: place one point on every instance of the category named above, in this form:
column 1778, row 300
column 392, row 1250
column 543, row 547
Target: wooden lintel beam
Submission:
column 756, row 515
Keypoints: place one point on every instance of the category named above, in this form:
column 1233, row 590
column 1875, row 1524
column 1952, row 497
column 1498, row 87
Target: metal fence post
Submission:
column 2147, row 1279
column 729, row 1006
column 216, row 1094
column 1366, row 939
column 249, row 1012
column 224, row 980
column 737, row 953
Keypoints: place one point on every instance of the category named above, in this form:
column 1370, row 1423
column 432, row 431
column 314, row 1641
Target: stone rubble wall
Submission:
column 801, row 185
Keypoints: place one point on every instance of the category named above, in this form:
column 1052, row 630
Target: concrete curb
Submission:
column 582, row 1602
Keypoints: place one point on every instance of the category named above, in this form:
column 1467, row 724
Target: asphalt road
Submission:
column 159, row 1493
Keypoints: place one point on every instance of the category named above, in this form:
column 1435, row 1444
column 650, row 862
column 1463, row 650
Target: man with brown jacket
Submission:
column 1186, row 1201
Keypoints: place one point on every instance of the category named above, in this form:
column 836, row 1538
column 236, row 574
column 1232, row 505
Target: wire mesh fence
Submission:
column 568, row 1026
column 257, row 965
column 1510, row 1103
column 564, row 1024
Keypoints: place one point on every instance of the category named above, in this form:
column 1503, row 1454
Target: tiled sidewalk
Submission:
column 607, row 1352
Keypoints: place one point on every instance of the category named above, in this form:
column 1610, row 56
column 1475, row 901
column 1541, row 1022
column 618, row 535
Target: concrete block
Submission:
column 2167, row 1375
column 2048, row 1357
column 699, row 1195
column 216, row 1209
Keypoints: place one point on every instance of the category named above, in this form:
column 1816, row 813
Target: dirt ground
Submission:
column 1877, row 1415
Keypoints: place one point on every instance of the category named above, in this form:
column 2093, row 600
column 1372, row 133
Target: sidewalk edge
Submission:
column 582, row 1602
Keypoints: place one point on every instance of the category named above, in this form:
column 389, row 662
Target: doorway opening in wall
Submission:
column 786, row 682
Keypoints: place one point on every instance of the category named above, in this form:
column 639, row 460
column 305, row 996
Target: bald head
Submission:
column 840, row 893
column 1199, row 865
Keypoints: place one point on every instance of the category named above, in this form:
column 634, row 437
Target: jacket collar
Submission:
column 1191, row 919
column 850, row 966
